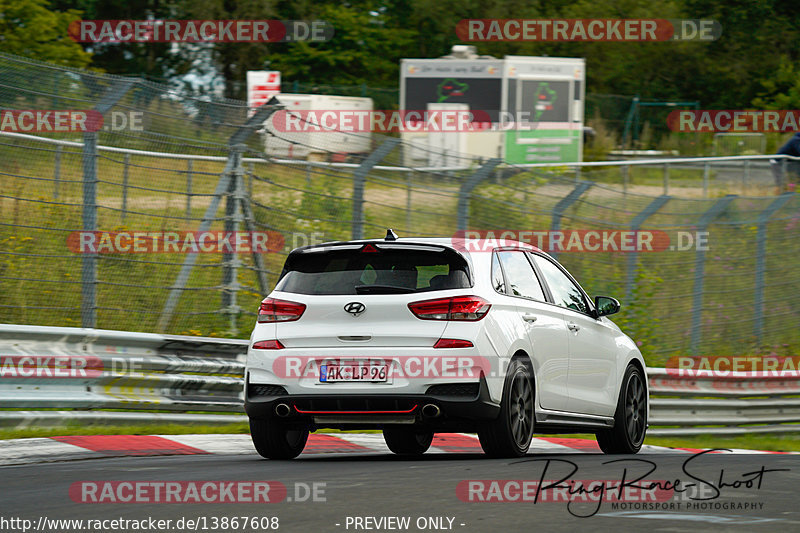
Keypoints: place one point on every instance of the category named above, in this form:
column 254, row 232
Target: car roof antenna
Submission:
column 390, row 235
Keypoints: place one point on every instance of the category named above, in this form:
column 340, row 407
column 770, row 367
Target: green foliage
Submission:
column 752, row 63
column 604, row 141
column 782, row 91
column 361, row 51
column 28, row 28
column 326, row 200
column 638, row 317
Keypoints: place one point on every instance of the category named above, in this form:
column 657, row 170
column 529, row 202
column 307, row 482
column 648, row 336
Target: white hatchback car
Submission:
column 418, row 336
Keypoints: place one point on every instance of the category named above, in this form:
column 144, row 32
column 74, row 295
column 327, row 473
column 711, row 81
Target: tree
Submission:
column 362, row 50
column 781, row 91
column 28, row 28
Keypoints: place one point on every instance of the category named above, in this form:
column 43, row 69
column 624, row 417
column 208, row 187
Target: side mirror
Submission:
column 606, row 305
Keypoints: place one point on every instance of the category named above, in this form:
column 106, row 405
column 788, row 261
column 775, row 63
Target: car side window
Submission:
column 498, row 283
column 522, row 280
column 565, row 292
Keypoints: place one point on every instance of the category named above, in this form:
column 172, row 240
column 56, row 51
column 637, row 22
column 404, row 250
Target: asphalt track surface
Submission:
column 378, row 484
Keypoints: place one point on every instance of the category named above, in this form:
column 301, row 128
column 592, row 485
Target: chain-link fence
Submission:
column 191, row 167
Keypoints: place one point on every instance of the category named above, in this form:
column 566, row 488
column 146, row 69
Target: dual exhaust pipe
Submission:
column 428, row 410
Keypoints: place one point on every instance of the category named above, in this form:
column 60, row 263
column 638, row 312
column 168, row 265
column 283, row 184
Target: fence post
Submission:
column 360, row 178
column 625, row 169
column 233, row 219
column 191, row 258
column 57, row 171
column 250, row 174
column 636, row 223
column 745, row 176
column 223, row 185
column 189, row 168
column 258, row 260
column 564, row 203
column 89, row 262
column 125, row 164
column 466, row 190
column 706, row 173
column 666, row 179
column 699, row 270
column 761, row 259
column 784, row 168
column 409, row 179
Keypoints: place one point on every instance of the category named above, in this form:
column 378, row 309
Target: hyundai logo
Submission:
column 355, row 308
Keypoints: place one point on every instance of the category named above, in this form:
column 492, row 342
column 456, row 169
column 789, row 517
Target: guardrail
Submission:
column 93, row 371
column 736, row 403
column 122, row 377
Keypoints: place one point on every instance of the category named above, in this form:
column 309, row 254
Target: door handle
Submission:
column 529, row 317
column 573, row 326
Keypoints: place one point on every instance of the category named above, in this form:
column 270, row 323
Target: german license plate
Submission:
column 353, row 372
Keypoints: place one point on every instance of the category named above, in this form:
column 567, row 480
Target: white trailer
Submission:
column 300, row 131
column 534, row 106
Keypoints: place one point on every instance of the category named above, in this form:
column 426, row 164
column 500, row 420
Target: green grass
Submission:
column 775, row 443
column 144, row 429
column 38, row 270
column 778, row 443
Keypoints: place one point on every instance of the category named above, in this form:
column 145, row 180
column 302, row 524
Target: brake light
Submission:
column 268, row 345
column 461, row 308
column 452, row 343
column 273, row 310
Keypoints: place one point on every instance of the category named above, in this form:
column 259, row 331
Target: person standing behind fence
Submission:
column 791, row 148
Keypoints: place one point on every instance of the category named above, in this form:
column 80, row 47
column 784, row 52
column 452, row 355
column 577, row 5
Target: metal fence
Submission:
column 117, row 377
column 197, row 165
column 58, row 376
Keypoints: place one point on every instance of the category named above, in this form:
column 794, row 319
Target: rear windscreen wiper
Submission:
column 382, row 289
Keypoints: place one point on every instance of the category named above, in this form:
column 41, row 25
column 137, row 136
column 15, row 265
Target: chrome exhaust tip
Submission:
column 282, row 410
column 431, row 411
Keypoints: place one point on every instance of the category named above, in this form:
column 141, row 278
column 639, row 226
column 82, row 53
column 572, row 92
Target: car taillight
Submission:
column 462, row 308
column 452, row 343
column 273, row 310
column 268, row 345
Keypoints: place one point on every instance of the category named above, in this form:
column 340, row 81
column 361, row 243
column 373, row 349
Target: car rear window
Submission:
column 394, row 269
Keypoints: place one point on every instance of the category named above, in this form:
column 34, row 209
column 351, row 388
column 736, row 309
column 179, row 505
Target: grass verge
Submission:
column 148, row 429
column 778, row 443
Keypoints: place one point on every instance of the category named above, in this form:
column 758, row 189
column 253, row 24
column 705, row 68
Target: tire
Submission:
column 630, row 418
column 273, row 440
column 408, row 441
column 511, row 433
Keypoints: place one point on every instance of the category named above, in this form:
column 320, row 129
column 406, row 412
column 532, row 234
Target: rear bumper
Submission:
column 462, row 407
